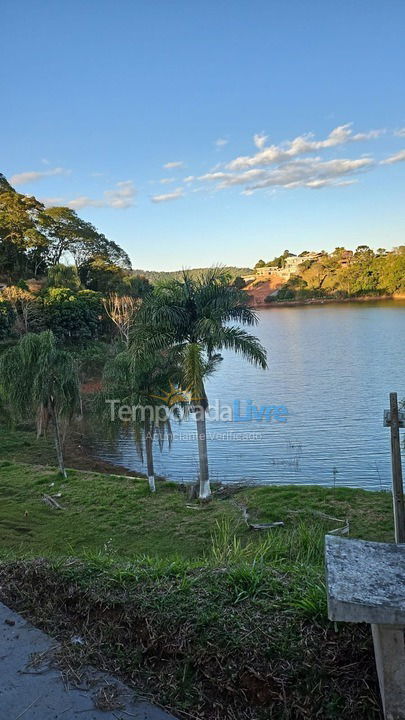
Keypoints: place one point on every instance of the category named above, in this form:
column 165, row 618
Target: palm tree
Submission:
column 195, row 315
column 39, row 379
column 139, row 384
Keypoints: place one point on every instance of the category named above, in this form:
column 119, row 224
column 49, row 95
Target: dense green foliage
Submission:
column 72, row 316
column 6, row 319
column 345, row 274
column 155, row 276
column 39, row 290
column 39, row 380
column 34, row 238
column 63, row 276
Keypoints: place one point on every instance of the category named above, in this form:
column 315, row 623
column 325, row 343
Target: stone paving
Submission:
column 36, row 691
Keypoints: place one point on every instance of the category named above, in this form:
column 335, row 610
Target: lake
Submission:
column 332, row 367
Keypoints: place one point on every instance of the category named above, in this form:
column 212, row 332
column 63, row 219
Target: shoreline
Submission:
column 329, row 301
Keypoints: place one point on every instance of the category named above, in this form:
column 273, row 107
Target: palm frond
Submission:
column 193, row 369
column 242, row 342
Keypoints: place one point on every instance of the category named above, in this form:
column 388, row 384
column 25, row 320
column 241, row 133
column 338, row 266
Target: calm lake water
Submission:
column 332, row 367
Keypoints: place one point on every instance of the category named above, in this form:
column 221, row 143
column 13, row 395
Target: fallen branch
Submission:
column 52, row 502
column 345, row 530
column 255, row 526
column 265, row 526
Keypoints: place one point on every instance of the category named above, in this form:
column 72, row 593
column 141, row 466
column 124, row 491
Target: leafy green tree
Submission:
column 22, row 245
column 137, row 286
column 392, row 271
column 73, row 316
column 194, row 316
column 63, row 276
column 101, row 275
column 39, row 380
column 68, row 233
column 33, row 237
column 139, row 384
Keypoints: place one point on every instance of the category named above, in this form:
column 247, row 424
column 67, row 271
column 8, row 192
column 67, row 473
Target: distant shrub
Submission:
column 285, row 293
column 239, row 282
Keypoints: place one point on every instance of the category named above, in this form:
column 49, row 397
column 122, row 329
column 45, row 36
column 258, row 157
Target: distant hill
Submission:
column 156, row 275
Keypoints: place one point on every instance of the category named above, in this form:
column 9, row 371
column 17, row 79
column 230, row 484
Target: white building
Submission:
column 291, row 266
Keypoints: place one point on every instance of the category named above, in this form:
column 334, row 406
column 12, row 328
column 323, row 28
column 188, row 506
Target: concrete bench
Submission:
column 366, row 583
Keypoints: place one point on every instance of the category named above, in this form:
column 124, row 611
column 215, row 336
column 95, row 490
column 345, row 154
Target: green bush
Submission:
column 73, row 316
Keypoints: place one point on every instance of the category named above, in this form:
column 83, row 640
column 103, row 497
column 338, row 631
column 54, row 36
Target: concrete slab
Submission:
column 366, row 581
column 37, row 692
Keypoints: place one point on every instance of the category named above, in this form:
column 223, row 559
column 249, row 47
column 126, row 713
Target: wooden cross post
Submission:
column 395, row 420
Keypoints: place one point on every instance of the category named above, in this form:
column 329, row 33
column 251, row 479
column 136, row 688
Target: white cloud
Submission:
column 220, row 143
column 304, row 172
column 52, row 201
column 174, row 164
column 80, row 202
column 260, row 140
column 189, row 179
column 120, row 197
column 168, row 196
column 228, row 179
column 34, row 175
column 166, row 181
column 398, row 157
column 313, row 173
column 301, row 145
column 400, row 132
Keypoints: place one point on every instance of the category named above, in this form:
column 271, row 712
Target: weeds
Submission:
column 213, row 642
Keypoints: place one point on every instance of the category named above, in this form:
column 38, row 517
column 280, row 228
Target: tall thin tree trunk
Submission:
column 149, row 456
column 205, row 489
column 58, row 442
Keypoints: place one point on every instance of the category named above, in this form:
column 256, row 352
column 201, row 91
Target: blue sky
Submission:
column 285, row 122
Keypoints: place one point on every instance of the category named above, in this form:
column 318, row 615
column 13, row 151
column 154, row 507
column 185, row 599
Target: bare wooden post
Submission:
column 395, row 420
column 389, row 647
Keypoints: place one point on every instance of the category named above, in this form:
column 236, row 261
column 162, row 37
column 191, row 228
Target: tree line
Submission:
column 169, row 342
column 38, row 291
column 343, row 273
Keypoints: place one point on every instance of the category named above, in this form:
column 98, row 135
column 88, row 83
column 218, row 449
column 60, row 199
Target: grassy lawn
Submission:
column 208, row 618
column 23, row 446
column 119, row 513
column 100, row 511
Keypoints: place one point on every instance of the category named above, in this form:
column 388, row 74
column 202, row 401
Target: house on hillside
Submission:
column 291, row 265
column 266, row 271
